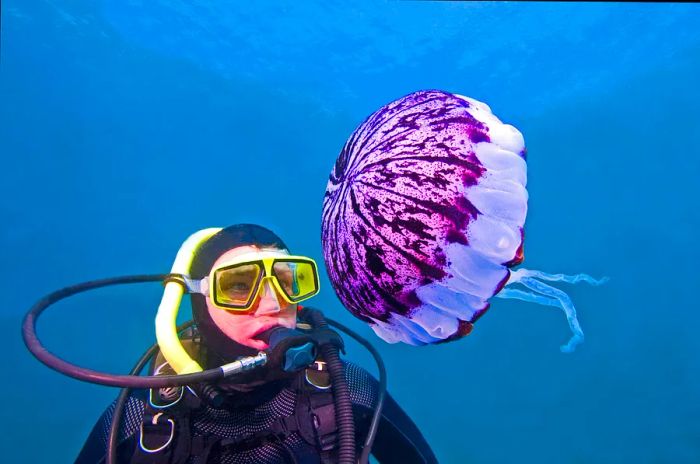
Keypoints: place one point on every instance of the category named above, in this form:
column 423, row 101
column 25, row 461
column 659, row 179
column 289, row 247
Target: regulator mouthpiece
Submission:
column 289, row 349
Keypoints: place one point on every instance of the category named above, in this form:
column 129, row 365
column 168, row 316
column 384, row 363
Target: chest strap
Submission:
column 313, row 420
column 165, row 435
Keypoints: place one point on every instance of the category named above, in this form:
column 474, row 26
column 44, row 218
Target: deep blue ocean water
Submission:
column 127, row 125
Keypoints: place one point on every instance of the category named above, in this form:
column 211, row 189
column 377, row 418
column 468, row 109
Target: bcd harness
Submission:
column 165, row 435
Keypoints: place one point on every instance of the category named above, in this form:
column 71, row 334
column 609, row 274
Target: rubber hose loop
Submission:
column 31, row 340
column 341, row 394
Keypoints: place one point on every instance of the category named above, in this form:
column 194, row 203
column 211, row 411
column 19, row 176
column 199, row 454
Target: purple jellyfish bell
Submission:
column 423, row 218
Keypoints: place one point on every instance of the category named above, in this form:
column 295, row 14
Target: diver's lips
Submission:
column 264, row 329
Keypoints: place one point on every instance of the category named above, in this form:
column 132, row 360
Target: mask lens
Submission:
column 234, row 286
column 297, row 279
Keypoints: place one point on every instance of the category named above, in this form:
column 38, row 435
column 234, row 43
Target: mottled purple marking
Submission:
column 479, row 136
column 457, row 236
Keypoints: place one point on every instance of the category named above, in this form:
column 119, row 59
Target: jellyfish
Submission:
column 423, row 220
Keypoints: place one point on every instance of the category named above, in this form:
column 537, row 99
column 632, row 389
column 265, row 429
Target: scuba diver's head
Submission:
column 249, row 285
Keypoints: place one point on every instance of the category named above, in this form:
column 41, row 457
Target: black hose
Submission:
column 112, row 442
column 129, row 381
column 341, row 394
column 374, row 424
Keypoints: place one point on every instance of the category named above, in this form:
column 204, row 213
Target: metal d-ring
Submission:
column 154, row 421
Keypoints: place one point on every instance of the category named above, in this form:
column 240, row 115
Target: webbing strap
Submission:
column 165, row 435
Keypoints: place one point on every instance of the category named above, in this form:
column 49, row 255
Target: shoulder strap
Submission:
column 314, row 416
column 165, row 435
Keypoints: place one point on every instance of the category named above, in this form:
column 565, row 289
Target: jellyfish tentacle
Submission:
column 512, row 293
column 547, row 295
column 560, row 298
column 515, row 294
column 569, row 279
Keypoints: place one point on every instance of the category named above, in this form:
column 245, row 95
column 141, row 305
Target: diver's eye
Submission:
column 286, row 282
column 236, row 288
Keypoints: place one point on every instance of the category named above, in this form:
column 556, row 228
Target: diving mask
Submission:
column 235, row 284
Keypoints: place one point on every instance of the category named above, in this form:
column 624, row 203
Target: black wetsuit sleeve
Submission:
column 95, row 448
column 398, row 439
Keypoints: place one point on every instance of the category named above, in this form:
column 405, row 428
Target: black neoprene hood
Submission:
column 228, row 238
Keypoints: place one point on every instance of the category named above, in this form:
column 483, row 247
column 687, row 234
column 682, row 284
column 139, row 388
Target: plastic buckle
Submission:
column 167, row 396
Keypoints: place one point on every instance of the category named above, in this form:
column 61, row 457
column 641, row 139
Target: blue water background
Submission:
column 127, row 125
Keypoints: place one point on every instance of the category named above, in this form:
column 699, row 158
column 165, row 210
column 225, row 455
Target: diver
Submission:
column 245, row 290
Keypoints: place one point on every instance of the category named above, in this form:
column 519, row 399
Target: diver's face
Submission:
column 269, row 309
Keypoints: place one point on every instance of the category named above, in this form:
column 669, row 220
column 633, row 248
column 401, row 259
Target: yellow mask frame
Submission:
column 294, row 278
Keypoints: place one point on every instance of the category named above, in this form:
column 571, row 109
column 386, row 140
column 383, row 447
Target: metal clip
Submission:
column 154, row 421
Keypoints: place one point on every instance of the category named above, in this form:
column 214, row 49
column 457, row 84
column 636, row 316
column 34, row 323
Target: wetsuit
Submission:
column 254, row 413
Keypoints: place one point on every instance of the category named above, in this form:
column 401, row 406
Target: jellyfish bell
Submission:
column 423, row 218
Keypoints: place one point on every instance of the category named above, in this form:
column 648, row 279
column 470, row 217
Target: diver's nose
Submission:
column 268, row 304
